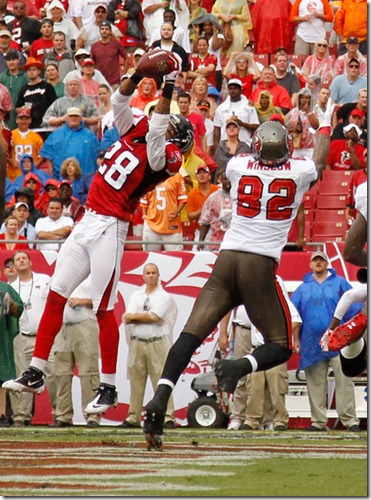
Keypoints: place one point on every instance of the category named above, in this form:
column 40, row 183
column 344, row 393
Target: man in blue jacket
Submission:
column 316, row 299
column 72, row 139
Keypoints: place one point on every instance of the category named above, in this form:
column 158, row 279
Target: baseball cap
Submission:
column 21, row 204
column 352, row 39
column 87, row 61
column 232, row 120
column 319, row 254
column 353, row 60
column 5, row 33
column 357, row 112
column 276, row 117
column 64, row 182
column 203, row 104
column 12, row 54
column 24, row 111
column 101, row 5
column 82, row 52
column 203, row 167
column 106, row 23
column 235, row 81
column 139, row 52
column 350, row 126
column 74, row 111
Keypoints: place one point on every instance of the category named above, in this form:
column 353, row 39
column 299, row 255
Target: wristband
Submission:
column 136, row 78
column 167, row 92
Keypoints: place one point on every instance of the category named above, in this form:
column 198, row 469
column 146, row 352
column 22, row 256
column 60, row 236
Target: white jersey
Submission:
column 265, row 202
column 361, row 199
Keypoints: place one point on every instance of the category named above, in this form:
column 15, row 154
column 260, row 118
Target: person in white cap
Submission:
column 82, row 11
column 57, row 13
column 236, row 105
column 80, row 55
column 347, row 153
column 89, row 33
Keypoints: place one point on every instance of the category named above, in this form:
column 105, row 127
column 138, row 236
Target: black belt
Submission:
column 148, row 341
column 28, row 334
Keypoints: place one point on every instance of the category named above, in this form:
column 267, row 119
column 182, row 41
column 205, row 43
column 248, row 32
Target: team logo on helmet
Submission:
column 256, row 143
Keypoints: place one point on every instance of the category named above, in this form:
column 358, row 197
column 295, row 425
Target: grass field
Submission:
column 41, row 461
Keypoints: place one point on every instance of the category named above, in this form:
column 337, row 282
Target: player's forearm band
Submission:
column 167, row 92
column 136, row 78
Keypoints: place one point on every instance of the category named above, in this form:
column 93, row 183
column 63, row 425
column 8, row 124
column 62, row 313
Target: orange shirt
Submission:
column 196, row 199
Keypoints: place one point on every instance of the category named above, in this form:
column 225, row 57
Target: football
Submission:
column 157, row 63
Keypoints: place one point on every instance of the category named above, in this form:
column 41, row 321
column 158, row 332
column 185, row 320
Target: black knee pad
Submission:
column 352, row 367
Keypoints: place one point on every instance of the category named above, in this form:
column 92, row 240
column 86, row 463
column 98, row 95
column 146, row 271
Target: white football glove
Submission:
column 324, row 340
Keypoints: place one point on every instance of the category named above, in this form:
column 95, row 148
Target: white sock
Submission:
column 351, row 351
column 39, row 363
column 253, row 362
column 108, row 378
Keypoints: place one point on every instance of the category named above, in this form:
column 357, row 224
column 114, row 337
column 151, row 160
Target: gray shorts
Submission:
column 242, row 278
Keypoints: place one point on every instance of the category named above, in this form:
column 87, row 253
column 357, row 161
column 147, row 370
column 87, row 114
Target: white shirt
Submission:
column 158, row 302
column 84, row 9
column 90, row 34
column 48, row 224
column 256, row 191
column 315, row 30
column 360, row 199
column 243, row 110
column 33, row 294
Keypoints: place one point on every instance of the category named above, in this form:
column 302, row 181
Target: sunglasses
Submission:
column 81, row 57
column 242, row 61
column 100, row 11
column 50, row 188
column 322, row 44
column 353, row 66
column 9, row 265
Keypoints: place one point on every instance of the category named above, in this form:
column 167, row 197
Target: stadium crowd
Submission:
column 244, row 62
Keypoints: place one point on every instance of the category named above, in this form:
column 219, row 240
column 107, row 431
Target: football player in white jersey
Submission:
column 267, row 188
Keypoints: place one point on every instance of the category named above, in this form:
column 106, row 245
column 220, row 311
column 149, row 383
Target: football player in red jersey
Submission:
column 267, row 188
column 96, row 244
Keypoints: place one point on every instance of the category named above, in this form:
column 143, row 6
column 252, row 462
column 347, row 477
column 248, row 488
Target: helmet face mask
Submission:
column 181, row 133
column 271, row 143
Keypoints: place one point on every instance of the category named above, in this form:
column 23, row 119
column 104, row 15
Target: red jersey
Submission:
column 40, row 48
column 125, row 173
column 195, row 62
column 339, row 155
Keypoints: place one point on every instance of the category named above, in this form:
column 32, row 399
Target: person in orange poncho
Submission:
column 147, row 92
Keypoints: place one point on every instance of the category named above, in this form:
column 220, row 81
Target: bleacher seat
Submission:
column 329, row 231
column 337, row 175
column 262, row 59
column 328, row 187
column 297, row 59
column 331, row 201
column 188, row 230
column 324, row 215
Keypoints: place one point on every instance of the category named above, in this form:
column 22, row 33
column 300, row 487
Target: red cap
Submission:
column 357, row 112
column 65, row 181
column 203, row 167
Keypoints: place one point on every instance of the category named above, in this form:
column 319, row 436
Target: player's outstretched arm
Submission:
column 354, row 248
column 321, row 150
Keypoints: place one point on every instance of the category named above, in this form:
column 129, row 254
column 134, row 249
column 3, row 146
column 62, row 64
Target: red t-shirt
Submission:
column 198, row 126
column 106, row 57
column 195, row 62
column 247, row 83
column 339, row 155
column 40, row 48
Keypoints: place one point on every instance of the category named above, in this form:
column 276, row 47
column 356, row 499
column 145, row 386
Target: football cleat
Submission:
column 31, row 380
column 227, row 375
column 347, row 333
column 154, row 442
column 105, row 398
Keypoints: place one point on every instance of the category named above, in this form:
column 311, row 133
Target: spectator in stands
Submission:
column 199, row 129
column 167, row 42
column 285, row 78
column 89, row 33
column 310, row 18
column 50, row 191
column 195, row 12
column 216, row 215
column 352, row 52
column 106, row 54
column 27, row 195
column 80, row 56
column 11, row 233
column 55, row 226
column 231, row 146
column 13, row 79
column 153, row 12
column 57, row 13
column 86, row 180
column 72, row 139
column 126, row 17
column 56, row 114
column 281, row 98
column 147, row 92
column 235, row 15
column 21, row 212
column 52, row 77
column 60, row 55
column 37, row 94
column 198, row 195
column 321, row 290
column 199, row 91
column 202, row 63
column 71, row 205
column 71, row 171
column 105, row 109
column 136, row 56
column 82, row 12
column 5, row 13
column 347, row 153
column 345, row 88
column 32, row 181
column 203, row 107
column 356, row 117
column 89, row 86
column 27, row 165
column 313, row 83
column 324, row 106
column 298, row 122
column 351, row 20
column 180, row 36
column 265, row 107
column 242, row 65
column 343, row 113
column 24, row 30
column 5, row 47
column 235, row 104
column 319, row 63
column 31, row 9
column 42, row 46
